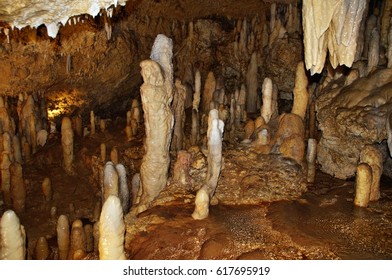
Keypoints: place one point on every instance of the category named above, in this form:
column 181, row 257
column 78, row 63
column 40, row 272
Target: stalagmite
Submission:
column 251, row 85
column 18, row 189
column 110, row 183
column 12, row 237
column 123, row 191
column 208, row 93
column 301, row 96
column 373, row 157
column 129, row 133
column 63, row 236
column 92, row 123
column 331, row 25
column 289, row 138
column 67, row 144
column 202, row 204
column 41, row 250
column 157, row 94
column 181, row 167
column 179, row 116
column 102, row 125
column 42, row 137
column 249, row 129
column 266, row 109
column 77, row 249
column 374, row 51
column 111, row 230
column 311, row 160
column 363, row 184
column 214, row 159
column 6, row 179
column 135, row 111
column 53, row 213
column 114, row 155
column 103, row 152
column 47, row 189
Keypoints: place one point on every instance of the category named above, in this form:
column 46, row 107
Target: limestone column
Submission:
column 157, row 94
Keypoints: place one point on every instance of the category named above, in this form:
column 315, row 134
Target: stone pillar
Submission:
column 157, row 94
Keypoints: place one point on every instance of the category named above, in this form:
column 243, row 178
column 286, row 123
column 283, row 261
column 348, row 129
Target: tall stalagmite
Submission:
column 157, row 95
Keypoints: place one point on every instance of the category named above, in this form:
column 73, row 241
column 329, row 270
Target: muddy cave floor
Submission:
column 322, row 224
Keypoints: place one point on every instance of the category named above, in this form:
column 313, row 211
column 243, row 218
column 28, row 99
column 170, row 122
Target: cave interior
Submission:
column 184, row 130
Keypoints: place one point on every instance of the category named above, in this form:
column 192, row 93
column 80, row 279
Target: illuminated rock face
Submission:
column 23, row 13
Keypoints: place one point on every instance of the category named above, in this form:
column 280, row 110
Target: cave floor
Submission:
column 322, row 224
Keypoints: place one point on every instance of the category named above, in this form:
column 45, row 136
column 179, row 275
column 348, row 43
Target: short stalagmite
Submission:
column 363, row 184
column 111, row 230
column 373, row 157
column 12, row 237
column 157, row 94
column 123, row 190
column 67, row 144
column 63, row 236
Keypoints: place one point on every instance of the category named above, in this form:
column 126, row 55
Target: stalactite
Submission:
column 334, row 26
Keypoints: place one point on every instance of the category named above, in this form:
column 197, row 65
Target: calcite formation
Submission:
column 351, row 117
column 111, row 230
column 24, row 13
column 157, row 95
column 12, row 237
column 331, row 26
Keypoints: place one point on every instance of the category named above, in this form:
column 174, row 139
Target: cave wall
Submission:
column 93, row 63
